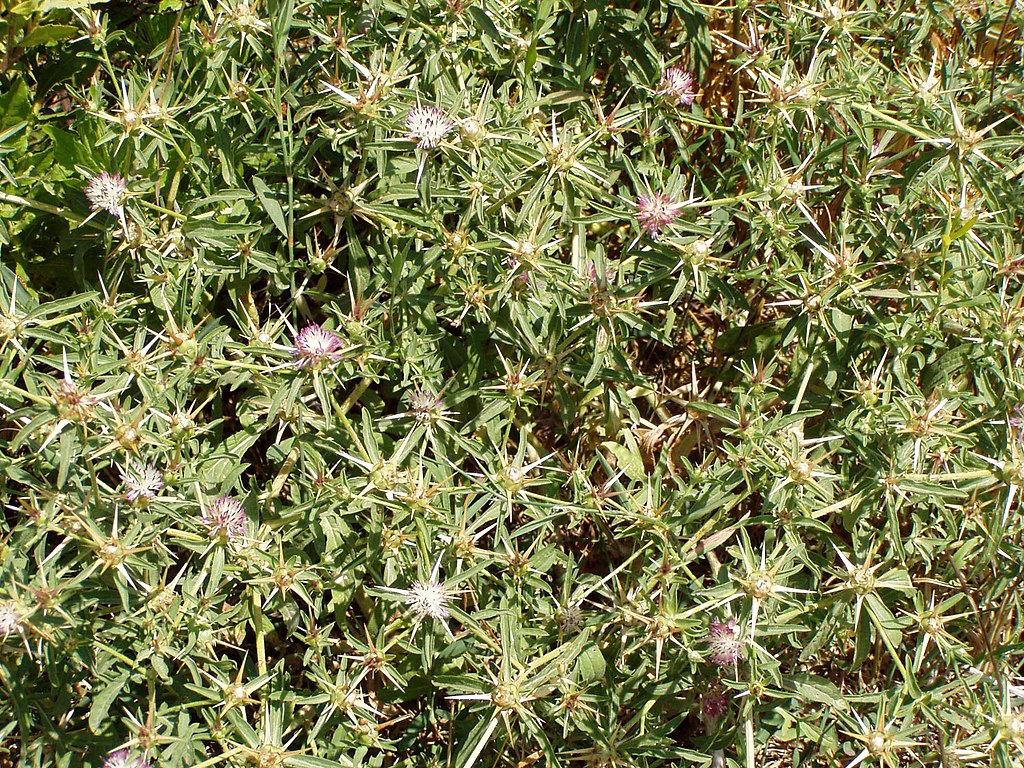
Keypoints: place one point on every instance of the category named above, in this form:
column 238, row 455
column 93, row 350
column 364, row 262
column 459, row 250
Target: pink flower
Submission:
column 314, row 346
column 655, row 212
column 225, row 518
column 677, row 85
column 724, row 642
column 1016, row 422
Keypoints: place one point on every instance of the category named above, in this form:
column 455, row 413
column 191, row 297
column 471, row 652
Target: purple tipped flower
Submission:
column 144, row 481
column 655, row 212
column 225, row 518
column 426, row 407
column 107, row 191
column 677, row 85
column 428, row 126
column 724, row 642
column 1016, row 422
column 314, row 346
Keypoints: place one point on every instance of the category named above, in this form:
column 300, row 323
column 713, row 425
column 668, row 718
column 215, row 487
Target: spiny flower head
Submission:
column 144, row 481
column 677, row 85
column 426, row 407
column 570, row 619
column 428, row 598
column 655, row 212
column 724, row 642
column 225, row 518
column 107, row 191
column 120, row 759
column 428, row 125
column 10, row 617
column 314, row 346
column 73, row 401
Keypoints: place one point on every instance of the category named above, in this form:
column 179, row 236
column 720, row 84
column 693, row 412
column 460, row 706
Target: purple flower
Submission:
column 107, row 191
column 655, row 212
column 677, row 85
column 714, row 703
column 428, row 126
column 724, row 642
column 225, row 518
column 314, row 346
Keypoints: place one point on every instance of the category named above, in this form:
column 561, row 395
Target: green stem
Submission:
column 261, row 646
column 724, row 200
column 38, row 399
column 161, row 209
column 64, row 213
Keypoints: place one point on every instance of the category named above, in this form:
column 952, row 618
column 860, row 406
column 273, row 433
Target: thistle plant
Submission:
column 475, row 384
column 142, row 481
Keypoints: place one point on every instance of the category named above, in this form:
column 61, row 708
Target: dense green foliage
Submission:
column 436, row 385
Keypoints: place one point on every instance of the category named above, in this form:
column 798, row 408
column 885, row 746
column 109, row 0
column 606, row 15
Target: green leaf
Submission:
column 817, row 690
column 628, row 457
column 591, row 664
column 224, row 465
column 48, row 34
column 15, row 104
column 29, row 7
column 308, row 761
column 270, row 205
column 102, row 701
column 476, row 741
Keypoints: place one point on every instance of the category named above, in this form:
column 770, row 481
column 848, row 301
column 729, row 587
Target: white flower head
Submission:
column 427, row 407
column 10, row 617
column 144, row 481
column 429, row 598
column 106, row 191
column 428, row 126
column 121, row 759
